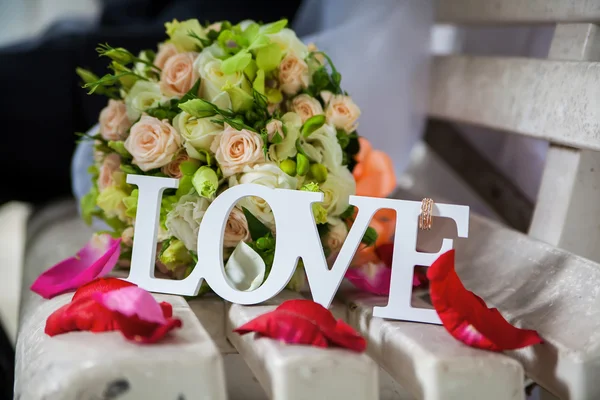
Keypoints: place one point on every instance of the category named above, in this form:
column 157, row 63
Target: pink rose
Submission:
column 293, row 74
column 172, row 168
column 110, row 165
column 273, row 128
column 165, row 51
column 236, row 229
column 152, row 143
column 178, row 75
column 113, row 120
column 236, row 149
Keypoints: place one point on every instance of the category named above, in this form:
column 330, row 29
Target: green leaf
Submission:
column 343, row 138
column 185, row 186
column 131, row 202
column 257, row 229
column 119, row 148
column 269, row 57
column 370, row 237
column 189, row 167
column 273, row 27
column 274, row 95
column 251, row 32
column 348, row 213
column 236, row 63
column 260, row 100
column 192, row 93
column 88, row 204
column 240, row 99
column 199, row 108
column 128, row 169
column 312, row 124
column 260, row 41
column 259, row 82
column 250, row 71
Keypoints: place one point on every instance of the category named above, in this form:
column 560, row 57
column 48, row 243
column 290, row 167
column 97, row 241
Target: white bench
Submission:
column 535, row 284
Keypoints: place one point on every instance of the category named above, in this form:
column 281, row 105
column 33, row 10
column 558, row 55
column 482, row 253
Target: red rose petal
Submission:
column 466, row 316
column 305, row 322
column 83, row 314
column 288, row 327
column 133, row 328
column 101, row 285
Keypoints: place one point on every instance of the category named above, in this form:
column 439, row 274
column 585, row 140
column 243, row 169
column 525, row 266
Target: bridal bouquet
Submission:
column 216, row 106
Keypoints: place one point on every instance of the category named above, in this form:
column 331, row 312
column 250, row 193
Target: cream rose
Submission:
column 199, row 132
column 289, row 43
column 114, row 121
column 273, row 128
column 109, row 166
column 214, row 79
column 178, row 75
column 127, row 236
column 236, row 229
column 235, row 150
column 293, row 74
column 334, row 239
column 323, row 147
column 341, row 111
column 269, row 175
column 337, row 189
column 306, row 106
column 165, row 51
column 142, row 96
column 287, row 147
column 183, row 221
column 172, row 168
column 152, row 143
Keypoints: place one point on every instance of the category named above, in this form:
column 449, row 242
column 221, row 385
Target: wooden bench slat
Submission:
column 552, row 100
column 430, row 363
column 301, row 372
column 86, row 365
column 517, row 11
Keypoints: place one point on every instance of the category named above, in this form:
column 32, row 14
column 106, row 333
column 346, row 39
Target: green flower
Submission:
column 110, row 200
column 179, row 34
column 205, row 182
column 175, row 255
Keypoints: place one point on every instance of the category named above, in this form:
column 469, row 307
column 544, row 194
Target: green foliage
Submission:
column 257, row 229
column 88, row 204
column 370, row 237
column 312, row 124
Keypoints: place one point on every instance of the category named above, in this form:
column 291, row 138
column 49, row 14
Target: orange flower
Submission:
column 374, row 172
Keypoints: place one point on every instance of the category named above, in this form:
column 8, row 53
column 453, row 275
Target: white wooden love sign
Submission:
column 297, row 237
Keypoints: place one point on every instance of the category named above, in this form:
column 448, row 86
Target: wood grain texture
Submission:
column 517, row 11
column 553, row 100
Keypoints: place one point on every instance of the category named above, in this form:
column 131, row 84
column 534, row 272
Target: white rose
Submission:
column 269, row 175
column 199, row 132
column 183, row 221
column 341, row 111
column 293, row 74
column 152, row 143
column 337, row 189
column 323, row 147
column 306, row 106
column 334, row 239
column 289, row 43
column 142, row 96
column 287, row 147
column 213, row 79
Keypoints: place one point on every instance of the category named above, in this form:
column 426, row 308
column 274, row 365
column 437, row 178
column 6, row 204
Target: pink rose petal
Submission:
column 132, row 301
column 96, row 259
column 371, row 277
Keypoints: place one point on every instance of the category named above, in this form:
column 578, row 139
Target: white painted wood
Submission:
column 428, row 362
column 84, row 365
column 210, row 311
column 539, row 287
column 567, row 212
column 13, row 219
column 552, row 100
column 517, row 11
column 301, row 372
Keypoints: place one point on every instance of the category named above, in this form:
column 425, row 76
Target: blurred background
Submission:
column 42, row 104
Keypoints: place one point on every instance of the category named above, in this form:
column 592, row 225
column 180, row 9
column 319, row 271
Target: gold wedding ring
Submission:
column 426, row 216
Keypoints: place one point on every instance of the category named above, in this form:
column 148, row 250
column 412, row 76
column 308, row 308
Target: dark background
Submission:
column 42, row 104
